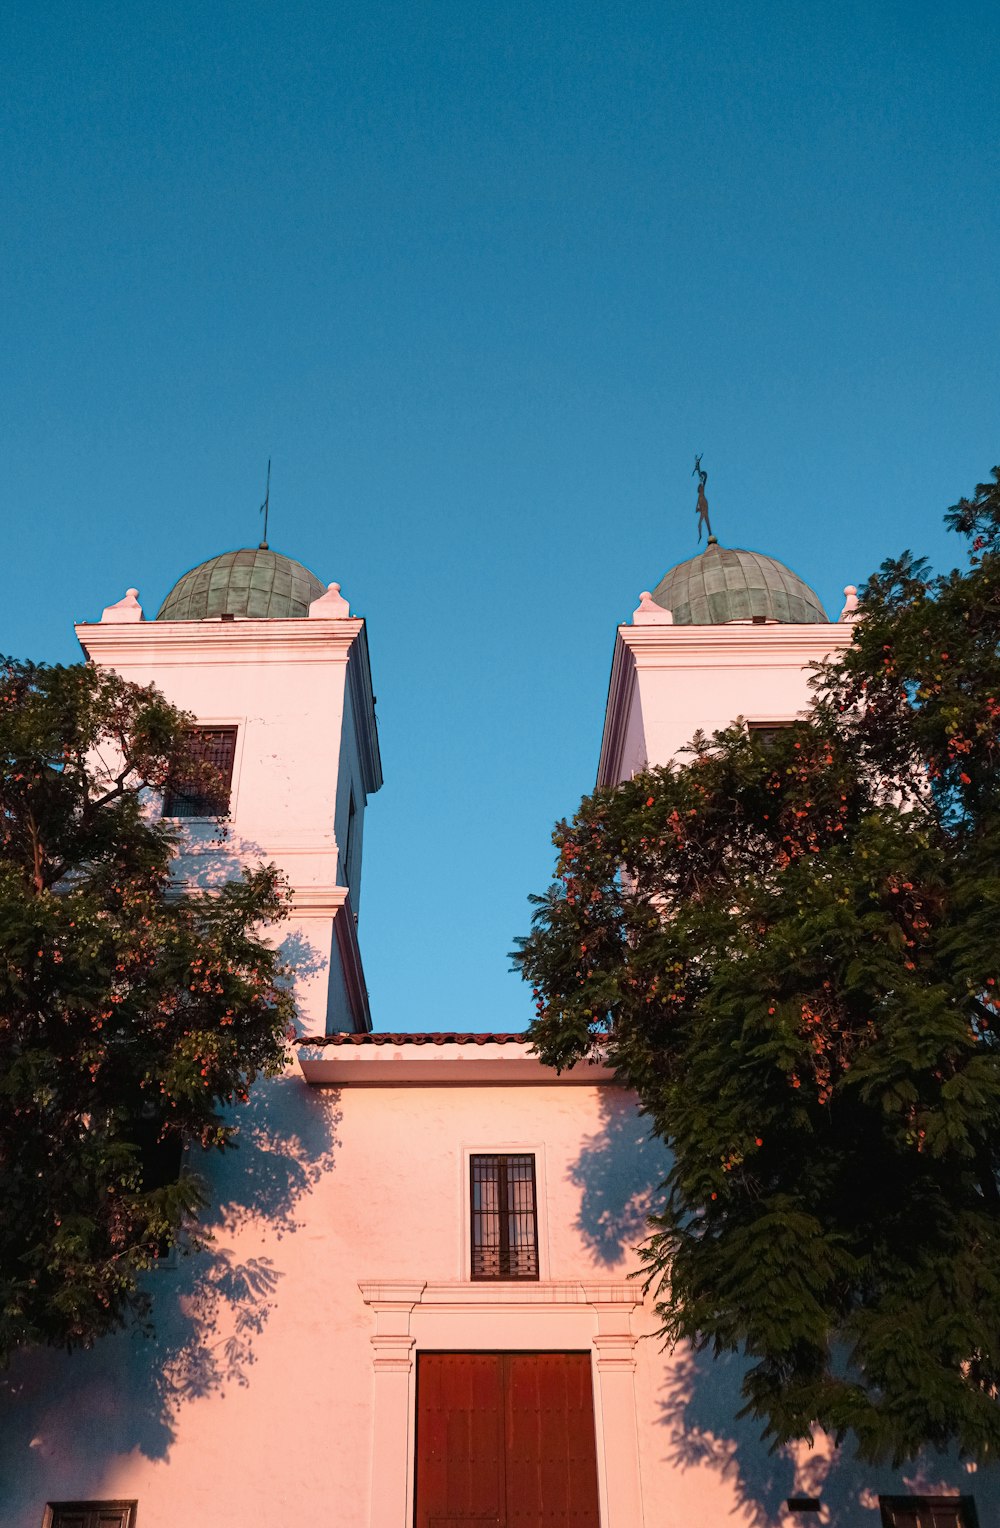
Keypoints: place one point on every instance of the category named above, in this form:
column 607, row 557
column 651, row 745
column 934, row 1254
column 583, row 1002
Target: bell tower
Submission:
column 729, row 633
column 275, row 670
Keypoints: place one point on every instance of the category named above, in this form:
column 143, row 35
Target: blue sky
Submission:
column 481, row 279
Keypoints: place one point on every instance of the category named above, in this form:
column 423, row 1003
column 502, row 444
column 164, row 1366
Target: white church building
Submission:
column 416, row 1309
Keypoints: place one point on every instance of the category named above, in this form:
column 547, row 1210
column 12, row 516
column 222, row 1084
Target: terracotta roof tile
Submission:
column 443, row 1037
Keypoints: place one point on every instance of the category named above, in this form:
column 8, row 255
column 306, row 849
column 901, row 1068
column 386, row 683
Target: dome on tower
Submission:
column 254, row 582
column 726, row 584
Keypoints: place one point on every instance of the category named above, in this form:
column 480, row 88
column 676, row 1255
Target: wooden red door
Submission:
column 505, row 1440
column 460, row 1477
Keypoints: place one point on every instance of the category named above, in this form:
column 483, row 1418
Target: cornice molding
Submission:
column 318, row 901
column 403, row 1294
column 323, row 640
column 444, row 1065
column 736, row 639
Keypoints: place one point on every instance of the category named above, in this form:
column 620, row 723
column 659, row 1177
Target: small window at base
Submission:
column 504, row 1217
column 765, row 733
column 928, row 1512
column 90, row 1514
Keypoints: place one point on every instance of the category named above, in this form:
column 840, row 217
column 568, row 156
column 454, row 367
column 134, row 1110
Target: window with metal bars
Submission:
column 504, row 1217
column 216, row 748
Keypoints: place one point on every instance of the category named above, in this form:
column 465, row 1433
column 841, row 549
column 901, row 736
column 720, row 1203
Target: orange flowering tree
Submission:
column 789, row 948
column 132, row 1017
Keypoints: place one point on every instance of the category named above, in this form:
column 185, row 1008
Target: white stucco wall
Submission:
column 667, row 682
column 260, row 1399
column 286, row 686
column 285, row 691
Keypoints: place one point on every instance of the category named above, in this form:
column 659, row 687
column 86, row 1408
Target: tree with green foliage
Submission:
column 789, row 949
column 133, row 1015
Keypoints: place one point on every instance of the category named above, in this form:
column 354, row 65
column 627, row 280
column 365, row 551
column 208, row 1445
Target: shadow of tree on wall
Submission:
column 211, row 852
column 227, row 1300
column 699, row 1410
column 619, row 1172
column 303, row 960
column 66, row 1419
column 212, row 855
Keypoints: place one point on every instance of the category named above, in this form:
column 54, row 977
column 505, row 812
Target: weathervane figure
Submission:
column 701, row 508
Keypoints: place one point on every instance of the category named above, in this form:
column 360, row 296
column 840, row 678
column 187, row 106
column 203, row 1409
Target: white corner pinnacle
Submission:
column 649, row 613
column 332, row 605
column 850, row 611
column 124, row 610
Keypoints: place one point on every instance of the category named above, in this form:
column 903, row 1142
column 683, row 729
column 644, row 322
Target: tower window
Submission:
column 504, row 1217
column 216, row 748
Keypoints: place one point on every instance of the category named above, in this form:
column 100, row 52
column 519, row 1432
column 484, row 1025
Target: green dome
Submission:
column 255, row 582
column 727, row 584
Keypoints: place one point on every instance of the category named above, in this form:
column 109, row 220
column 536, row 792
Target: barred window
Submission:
column 504, row 1218
column 928, row 1512
column 215, row 746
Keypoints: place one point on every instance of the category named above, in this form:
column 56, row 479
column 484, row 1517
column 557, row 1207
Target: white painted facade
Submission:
column 281, row 1384
column 668, row 682
column 299, row 693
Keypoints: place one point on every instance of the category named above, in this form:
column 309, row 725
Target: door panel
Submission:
column 505, row 1440
column 459, row 1466
column 550, row 1449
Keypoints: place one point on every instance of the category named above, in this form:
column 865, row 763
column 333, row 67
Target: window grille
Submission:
column 504, row 1218
column 215, row 746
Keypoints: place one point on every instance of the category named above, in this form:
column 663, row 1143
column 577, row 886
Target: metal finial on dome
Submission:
column 265, row 507
column 701, row 508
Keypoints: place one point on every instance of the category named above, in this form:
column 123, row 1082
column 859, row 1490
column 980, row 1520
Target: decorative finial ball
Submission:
column 334, row 588
column 133, row 592
column 850, row 589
